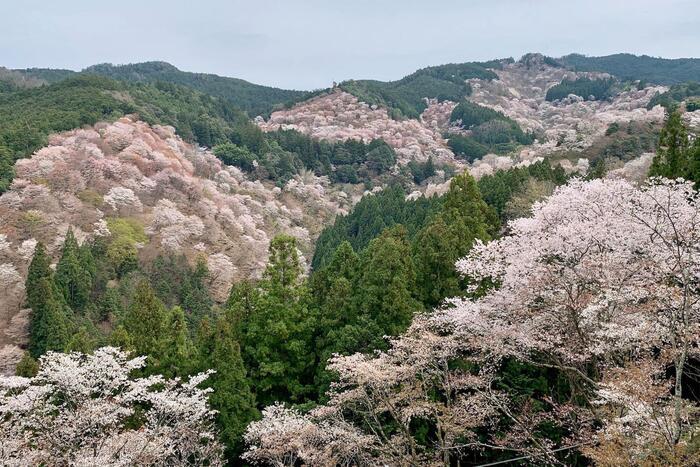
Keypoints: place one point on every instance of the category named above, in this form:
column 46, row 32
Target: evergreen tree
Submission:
column 195, row 294
column 386, row 282
column 283, row 269
column 27, row 367
column 232, row 397
column 672, row 155
column 73, row 280
column 145, row 321
column 49, row 322
column 39, row 268
column 279, row 330
column 82, row 341
column 463, row 218
column 177, row 346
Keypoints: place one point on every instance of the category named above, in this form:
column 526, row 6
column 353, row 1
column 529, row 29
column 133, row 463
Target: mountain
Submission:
column 30, row 115
column 156, row 194
column 502, row 108
column 406, row 97
column 655, row 70
column 252, row 98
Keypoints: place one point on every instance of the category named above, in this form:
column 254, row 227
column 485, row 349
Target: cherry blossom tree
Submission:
column 602, row 283
column 431, row 380
column 87, row 410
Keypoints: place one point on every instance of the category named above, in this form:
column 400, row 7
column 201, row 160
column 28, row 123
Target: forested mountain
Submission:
column 475, row 263
column 634, row 67
column 405, row 98
column 252, row 98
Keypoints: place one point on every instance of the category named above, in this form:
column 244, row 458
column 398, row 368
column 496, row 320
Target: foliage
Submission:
column 253, row 98
column 88, row 410
column 73, row 273
column 678, row 156
column 490, row 131
column 463, row 218
column 50, row 318
column 632, row 67
column 29, row 116
column 405, row 98
column 503, row 370
column 369, row 217
column 588, row 89
column 422, row 170
column 500, row 188
column 677, row 94
column 275, row 328
column 219, row 350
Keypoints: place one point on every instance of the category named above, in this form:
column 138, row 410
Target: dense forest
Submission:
column 588, row 89
column 271, row 339
column 531, row 314
column 251, row 98
column 311, row 341
column 405, row 98
column 85, row 99
column 689, row 92
column 628, row 67
column 489, row 131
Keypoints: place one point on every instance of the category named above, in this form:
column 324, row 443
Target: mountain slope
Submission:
column 129, row 176
column 253, row 98
column 407, row 97
column 627, row 66
column 28, row 116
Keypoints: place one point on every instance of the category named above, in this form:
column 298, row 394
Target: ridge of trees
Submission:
column 587, row 88
column 405, row 98
column 489, row 131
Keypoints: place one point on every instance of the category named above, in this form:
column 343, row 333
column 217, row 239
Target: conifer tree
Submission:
column 671, row 160
column 72, row 279
column 232, row 397
column 177, row 346
column 279, row 331
column 82, row 341
column 463, row 218
column 195, row 294
column 283, row 270
column 144, row 322
column 49, row 318
column 49, row 322
column 39, row 268
column 386, row 282
column 27, row 367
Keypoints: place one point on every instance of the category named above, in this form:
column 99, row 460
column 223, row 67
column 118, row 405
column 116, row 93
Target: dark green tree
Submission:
column 49, row 324
column 73, row 280
column 27, row 366
column 178, row 350
column 278, row 338
column 145, row 321
column 232, row 398
column 39, row 268
column 386, row 282
column 672, row 155
column 196, row 299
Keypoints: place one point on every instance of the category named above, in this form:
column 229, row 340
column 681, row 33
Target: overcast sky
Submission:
column 308, row 44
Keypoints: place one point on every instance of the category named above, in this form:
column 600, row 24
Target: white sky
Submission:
column 308, row 44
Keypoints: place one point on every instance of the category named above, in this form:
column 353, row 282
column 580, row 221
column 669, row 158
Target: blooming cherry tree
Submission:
column 87, row 410
column 600, row 283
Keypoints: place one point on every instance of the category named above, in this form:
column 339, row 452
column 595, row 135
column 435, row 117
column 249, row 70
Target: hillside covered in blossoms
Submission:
column 478, row 263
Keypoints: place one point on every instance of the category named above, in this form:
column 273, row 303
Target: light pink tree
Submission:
column 601, row 283
column 88, row 410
